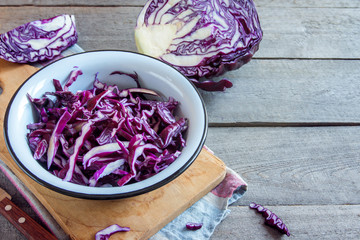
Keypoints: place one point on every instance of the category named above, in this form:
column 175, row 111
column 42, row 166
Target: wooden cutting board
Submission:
column 144, row 214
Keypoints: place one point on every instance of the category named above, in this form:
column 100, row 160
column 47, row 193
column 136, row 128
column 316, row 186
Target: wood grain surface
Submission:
column 292, row 166
column 289, row 126
column 337, row 222
column 294, row 91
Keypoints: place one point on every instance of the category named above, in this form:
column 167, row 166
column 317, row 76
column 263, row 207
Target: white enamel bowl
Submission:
column 153, row 74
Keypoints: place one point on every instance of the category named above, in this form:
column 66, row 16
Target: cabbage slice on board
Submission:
column 105, row 234
column 201, row 38
column 38, row 40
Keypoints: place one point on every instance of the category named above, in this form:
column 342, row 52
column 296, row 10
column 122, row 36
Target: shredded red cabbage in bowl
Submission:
column 105, row 136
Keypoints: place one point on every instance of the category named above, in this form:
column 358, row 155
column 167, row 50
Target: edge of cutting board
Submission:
column 144, row 214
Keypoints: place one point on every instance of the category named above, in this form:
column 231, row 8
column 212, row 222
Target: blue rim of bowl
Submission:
column 105, row 196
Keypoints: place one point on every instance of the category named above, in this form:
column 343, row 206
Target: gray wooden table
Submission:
column 290, row 125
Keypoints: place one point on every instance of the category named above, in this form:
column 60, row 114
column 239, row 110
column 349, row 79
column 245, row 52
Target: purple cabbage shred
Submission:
column 212, row 86
column 107, row 232
column 193, row 226
column 271, row 219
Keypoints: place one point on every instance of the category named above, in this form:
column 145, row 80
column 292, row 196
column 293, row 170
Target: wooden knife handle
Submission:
column 23, row 222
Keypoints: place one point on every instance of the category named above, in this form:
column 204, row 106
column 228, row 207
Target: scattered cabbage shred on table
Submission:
column 105, row 136
column 38, row 40
column 271, row 219
column 201, row 38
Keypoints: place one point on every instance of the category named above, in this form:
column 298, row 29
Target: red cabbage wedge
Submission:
column 201, row 38
column 38, row 40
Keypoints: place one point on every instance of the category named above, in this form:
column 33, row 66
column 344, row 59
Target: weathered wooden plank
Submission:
column 288, row 91
column 307, row 3
column 309, row 33
column 292, row 166
column 267, row 91
column 288, row 32
column 334, row 222
column 259, row 3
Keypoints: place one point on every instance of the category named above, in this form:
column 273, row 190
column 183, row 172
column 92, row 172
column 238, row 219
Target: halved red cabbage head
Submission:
column 105, row 136
column 38, row 40
column 201, row 38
